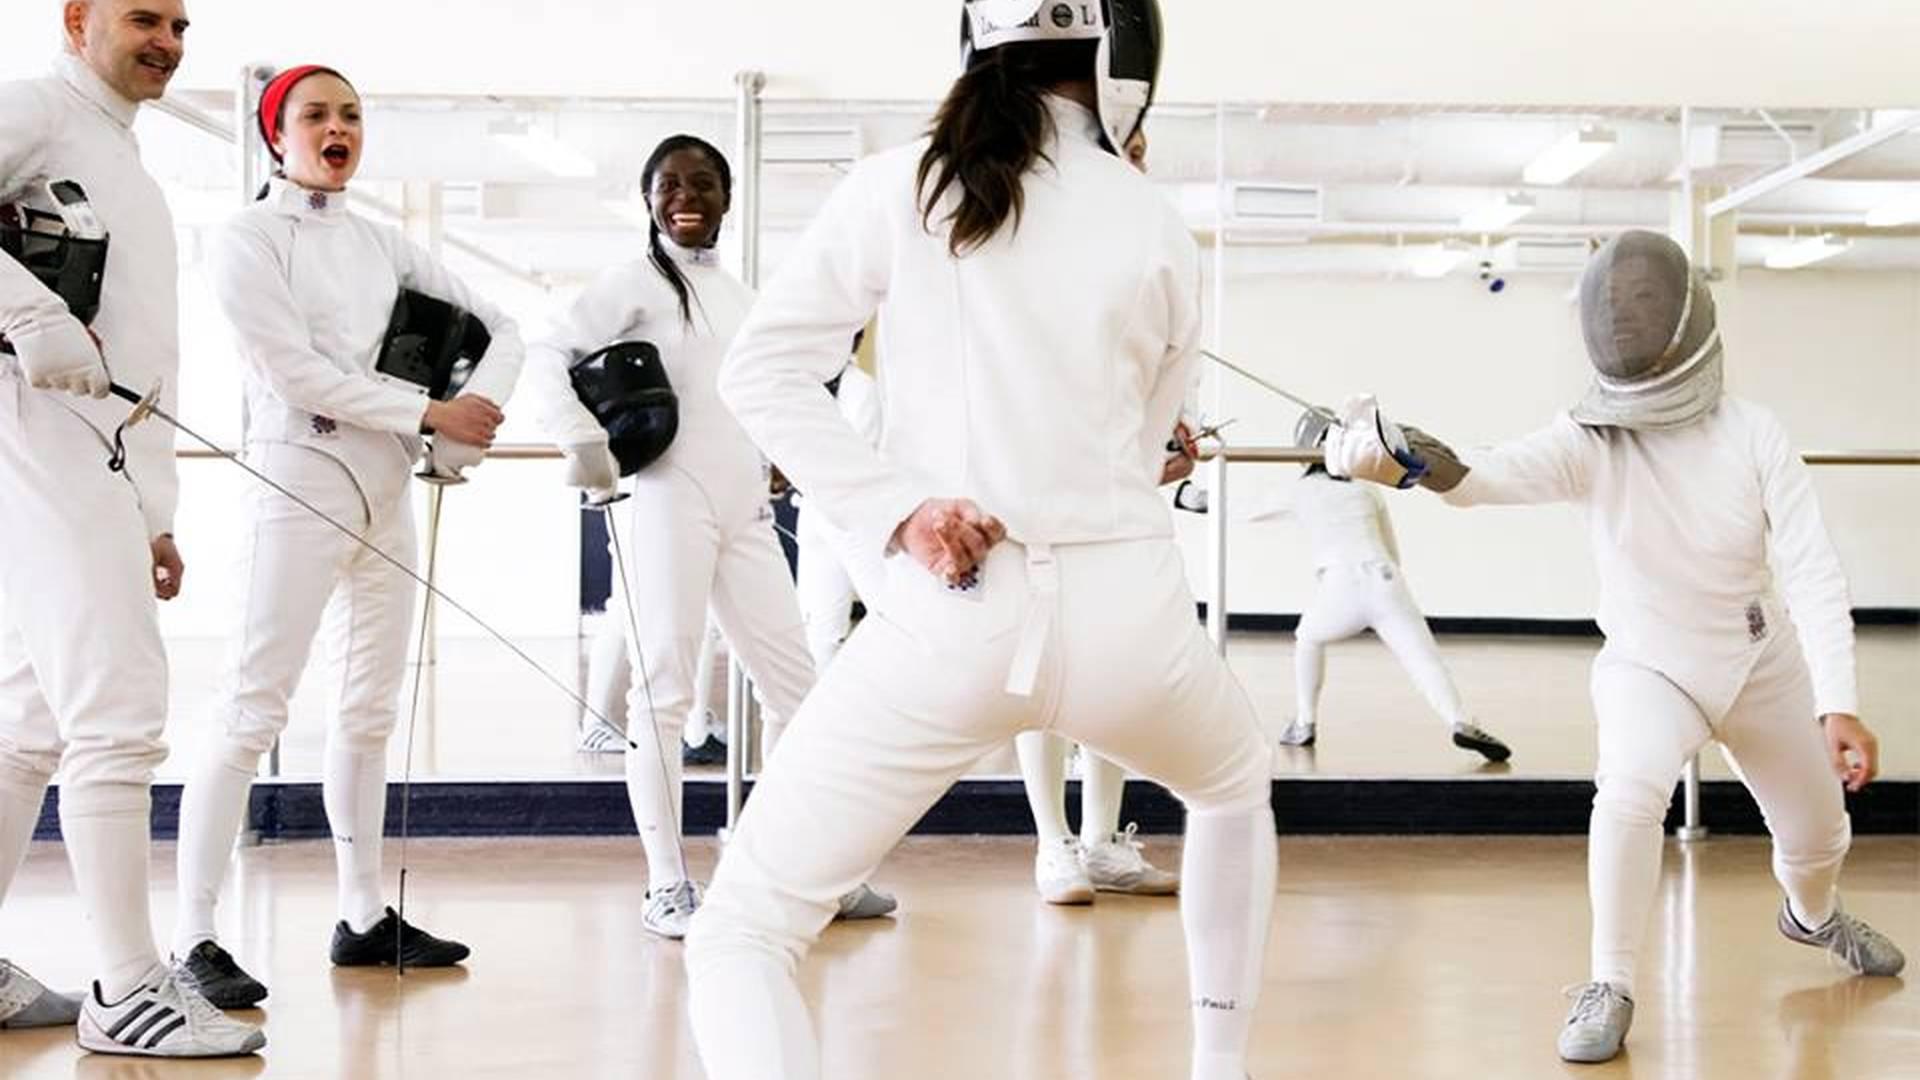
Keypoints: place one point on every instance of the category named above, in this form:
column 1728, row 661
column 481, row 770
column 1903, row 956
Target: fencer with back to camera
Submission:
column 1723, row 603
column 83, row 686
column 311, row 291
column 697, row 528
column 1032, row 376
column 1070, row 869
column 1359, row 584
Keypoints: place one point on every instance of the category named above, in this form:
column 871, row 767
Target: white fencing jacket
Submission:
column 1346, row 522
column 309, row 288
column 1683, row 524
column 1038, row 375
column 72, row 126
column 633, row 302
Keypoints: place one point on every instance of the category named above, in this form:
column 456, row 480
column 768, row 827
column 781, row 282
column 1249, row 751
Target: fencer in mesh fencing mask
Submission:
column 1648, row 319
column 1126, row 66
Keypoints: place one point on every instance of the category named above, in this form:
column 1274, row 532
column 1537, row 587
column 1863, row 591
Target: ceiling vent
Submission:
column 1293, row 203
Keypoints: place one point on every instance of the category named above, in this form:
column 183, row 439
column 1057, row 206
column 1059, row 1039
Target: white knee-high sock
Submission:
column 1624, row 837
column 1226, row 906
column 22, row 791
column 654, row 790
column 1102, row 785
column 1811, row 878
column 212, row 805
column 354, row 788
column 108, row 838
column 1309, row 672
column 748, row 1018
column 1043, row 768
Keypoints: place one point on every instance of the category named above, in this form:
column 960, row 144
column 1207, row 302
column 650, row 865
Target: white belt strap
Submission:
column 1043, row 595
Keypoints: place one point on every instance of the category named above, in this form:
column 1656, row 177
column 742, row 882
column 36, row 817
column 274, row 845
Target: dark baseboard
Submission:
column 1308, row 806
column 1519, row 627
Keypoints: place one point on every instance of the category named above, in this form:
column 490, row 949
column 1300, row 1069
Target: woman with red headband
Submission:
column 309, row 289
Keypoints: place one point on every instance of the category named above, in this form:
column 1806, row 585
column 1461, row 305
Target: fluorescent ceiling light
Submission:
column 1807, row 252
column 1435, row 260
column 544, row 150
column 1498, row 214
column 1903, row 211
column 1570, row 156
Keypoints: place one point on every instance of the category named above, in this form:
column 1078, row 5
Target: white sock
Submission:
column 212, row 805
column 1226, row 906
column 22, row 792
column 1102, row 785
column 354, row 788
column 654, row 790
column 1623, row 877
column 749, row 1021
column 108, row 842
column 1043, row 768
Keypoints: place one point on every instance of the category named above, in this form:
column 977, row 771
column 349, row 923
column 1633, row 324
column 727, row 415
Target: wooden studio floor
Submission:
column 1401, row 958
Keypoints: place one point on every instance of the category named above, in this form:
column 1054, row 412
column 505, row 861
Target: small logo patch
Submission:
column 1216, row 1006
column 323, row 425
column 1756, row 622
column 967, row 584
column 316, row 200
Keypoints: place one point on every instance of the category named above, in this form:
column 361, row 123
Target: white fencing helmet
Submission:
column 1126, row 66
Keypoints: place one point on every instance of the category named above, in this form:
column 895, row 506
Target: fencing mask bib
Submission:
column 431, row 346
column 1126, row 67
column 1650, row 330
column 70, row 266
column 626, row 389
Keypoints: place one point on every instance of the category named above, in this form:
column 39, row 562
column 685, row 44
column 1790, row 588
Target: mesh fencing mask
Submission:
column 1648, row 320
column 1126, row 67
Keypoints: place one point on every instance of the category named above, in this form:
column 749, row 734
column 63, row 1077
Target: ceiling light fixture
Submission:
column 1799, row 253
column 1571, row 155
column 1498, row 214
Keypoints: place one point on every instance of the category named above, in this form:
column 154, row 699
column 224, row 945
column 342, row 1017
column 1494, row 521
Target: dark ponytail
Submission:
column 656, row 253
column 990, row 132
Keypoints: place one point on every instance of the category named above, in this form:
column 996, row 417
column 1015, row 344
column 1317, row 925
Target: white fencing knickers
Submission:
column 1351, row 597
column 1650, row 724
column 83, row 673
column 920, row 692
column 301, row 578
column 690, row 549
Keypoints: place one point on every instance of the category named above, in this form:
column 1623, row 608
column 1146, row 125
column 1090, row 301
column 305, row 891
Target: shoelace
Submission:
column 1854, row 940
column 1592, row 1001
column 681, row 897
column 201, row 1013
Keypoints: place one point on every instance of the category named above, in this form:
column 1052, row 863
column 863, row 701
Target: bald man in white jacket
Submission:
column 83, row 673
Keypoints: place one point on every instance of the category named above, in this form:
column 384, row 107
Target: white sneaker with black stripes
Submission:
column 164, row 1017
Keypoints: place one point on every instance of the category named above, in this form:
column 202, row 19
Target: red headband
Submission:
column 275, row 95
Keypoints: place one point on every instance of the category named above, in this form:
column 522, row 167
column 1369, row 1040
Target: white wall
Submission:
column 1700, row 52
column 1835, row 355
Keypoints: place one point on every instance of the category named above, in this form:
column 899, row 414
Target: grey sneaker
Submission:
column 1849, row 940
column 669, row 909
column 1298, row 733
column 24, row 1003
column 1473, row 737
column 1115, row 865
column 163, row 1017
column 866, row 902
column 1597, row 1025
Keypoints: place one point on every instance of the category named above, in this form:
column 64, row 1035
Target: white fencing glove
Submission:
column 1367, row 446
column 446, row 457
column 592, row 468
column 61, row 355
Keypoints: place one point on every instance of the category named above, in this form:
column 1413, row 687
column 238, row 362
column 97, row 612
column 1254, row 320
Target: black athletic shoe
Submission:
column 711, row 752
column 377, row 946
column 211, row 970
column 1471, row 737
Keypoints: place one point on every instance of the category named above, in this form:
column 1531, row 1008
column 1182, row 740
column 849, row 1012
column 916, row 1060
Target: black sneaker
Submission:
column 376, row 947
column 211, row 970
column 1472, row 737
column 711, row 752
